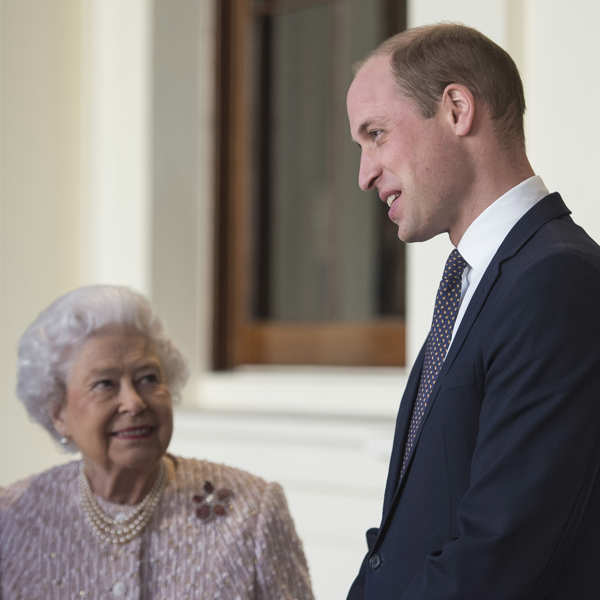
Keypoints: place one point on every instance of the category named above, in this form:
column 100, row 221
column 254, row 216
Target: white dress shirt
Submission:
column 483, row 237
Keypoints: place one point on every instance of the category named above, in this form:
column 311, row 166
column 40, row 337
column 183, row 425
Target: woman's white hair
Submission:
column 49, row 344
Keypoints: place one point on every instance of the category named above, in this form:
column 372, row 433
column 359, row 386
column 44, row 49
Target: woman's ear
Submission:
column 58, row 419
column 458, row 105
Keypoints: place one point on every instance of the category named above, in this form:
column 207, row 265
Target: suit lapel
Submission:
column 547, row 209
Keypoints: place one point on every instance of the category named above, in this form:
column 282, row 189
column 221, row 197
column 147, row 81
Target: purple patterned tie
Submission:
column 447, row 302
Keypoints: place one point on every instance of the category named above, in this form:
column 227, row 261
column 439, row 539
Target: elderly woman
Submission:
column 129, row 520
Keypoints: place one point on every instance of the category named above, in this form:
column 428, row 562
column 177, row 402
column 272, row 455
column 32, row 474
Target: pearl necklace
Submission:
column 121, row 529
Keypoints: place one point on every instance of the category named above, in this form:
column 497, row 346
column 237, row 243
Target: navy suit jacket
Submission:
column 501, row 498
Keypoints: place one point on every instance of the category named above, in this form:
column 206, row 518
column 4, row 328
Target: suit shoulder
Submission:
column 566, row 268
column 562, row 239
column 553, row 262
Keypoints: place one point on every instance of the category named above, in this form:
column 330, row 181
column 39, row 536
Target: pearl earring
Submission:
column 64, row 440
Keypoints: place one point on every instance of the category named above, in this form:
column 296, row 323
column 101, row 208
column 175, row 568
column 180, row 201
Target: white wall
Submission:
column 562, row 86
column 39, row 194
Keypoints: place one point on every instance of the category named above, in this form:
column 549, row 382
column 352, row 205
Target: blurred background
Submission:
column 197, row 150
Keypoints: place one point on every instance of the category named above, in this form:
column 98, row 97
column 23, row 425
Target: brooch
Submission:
column 212, row 502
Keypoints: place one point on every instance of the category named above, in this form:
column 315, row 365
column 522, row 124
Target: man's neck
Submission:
column 497, row 173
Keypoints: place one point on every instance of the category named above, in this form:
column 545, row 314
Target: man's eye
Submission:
column 375, row 133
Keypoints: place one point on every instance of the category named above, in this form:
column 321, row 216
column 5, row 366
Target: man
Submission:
column 493, row 487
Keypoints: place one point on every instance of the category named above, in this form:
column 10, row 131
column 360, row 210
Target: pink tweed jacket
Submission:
column 190, row 549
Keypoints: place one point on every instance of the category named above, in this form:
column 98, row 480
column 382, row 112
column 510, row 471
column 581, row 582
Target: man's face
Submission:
column 416, row 164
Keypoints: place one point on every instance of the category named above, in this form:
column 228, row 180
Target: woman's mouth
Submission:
column 133, row 433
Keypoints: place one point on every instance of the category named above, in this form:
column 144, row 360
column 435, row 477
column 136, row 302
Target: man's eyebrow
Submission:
column 364, row 128
column 361, row 133
column 366, row 125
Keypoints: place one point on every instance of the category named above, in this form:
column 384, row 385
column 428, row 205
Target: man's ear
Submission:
column 458, row 104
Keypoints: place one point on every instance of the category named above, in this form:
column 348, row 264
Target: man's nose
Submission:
column 130, row 399
column 368, row 172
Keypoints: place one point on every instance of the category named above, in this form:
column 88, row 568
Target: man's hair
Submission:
column 426, row 59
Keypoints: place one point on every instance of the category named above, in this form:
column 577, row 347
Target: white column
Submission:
column 116, row 100
column 425, row 260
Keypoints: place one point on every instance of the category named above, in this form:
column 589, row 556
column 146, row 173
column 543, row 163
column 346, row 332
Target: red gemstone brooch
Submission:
column 213, row 502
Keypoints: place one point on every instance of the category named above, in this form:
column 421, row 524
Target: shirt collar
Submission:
column 486, row 233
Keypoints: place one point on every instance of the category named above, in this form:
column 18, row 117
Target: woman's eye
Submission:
column 149, row 378
column 102, row 384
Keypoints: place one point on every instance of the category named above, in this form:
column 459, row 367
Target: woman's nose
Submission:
column 130, row 399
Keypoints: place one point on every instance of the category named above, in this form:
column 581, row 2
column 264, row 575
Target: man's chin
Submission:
column 408, row 236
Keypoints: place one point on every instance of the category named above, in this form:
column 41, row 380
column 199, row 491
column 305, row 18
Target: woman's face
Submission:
column 118, row 407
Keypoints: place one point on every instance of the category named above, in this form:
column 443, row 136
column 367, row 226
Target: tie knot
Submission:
column 455, row 265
